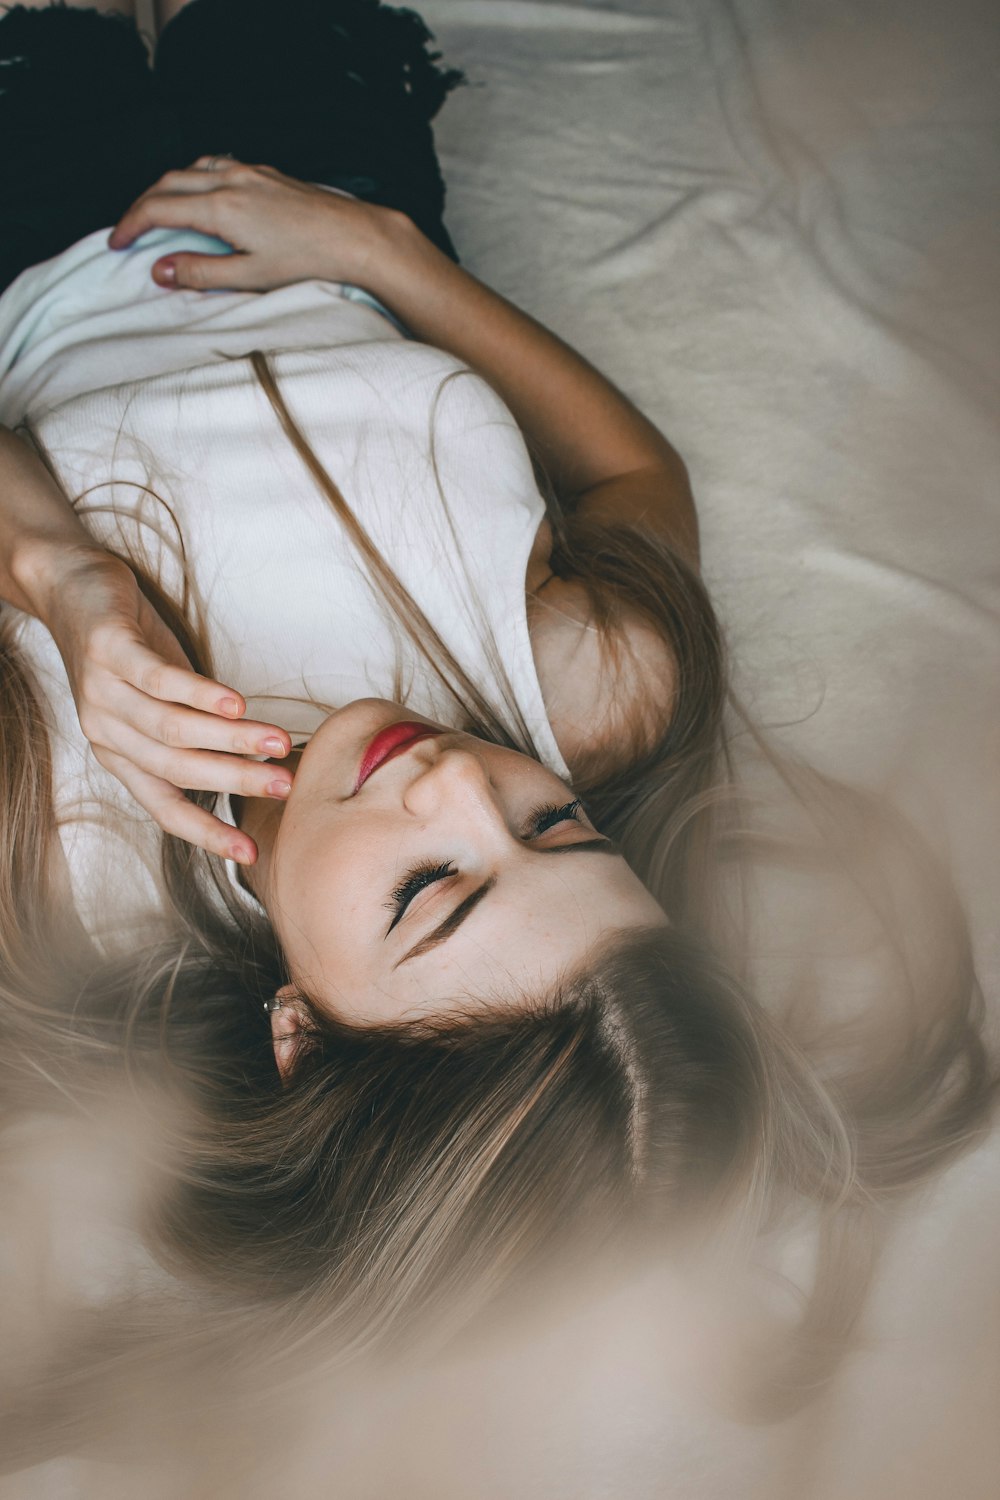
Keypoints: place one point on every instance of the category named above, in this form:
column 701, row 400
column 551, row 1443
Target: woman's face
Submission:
column 454, row 869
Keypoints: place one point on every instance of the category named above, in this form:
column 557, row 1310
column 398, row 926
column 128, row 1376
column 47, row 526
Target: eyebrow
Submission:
column 453, row 921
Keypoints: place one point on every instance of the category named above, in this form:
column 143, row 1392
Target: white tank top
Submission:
column 433, row 466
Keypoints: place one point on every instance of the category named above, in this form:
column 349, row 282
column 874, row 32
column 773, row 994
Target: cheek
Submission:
column 323, row 906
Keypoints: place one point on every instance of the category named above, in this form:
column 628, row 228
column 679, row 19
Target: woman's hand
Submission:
column 281, row 230
column 153, row 722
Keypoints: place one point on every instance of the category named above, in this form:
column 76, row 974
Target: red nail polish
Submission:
column 166, row 271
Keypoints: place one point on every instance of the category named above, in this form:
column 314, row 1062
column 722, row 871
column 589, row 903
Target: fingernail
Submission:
column 229, row 706
column 278, row 788
column 166, row 271
column 241, row 854
column 273, row 746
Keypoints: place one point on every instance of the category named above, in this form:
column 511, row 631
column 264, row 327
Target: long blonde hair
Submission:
column 409, row 1176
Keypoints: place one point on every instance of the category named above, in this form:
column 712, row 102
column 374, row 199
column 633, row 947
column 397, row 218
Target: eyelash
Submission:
column 426, row 874
column 547, row 817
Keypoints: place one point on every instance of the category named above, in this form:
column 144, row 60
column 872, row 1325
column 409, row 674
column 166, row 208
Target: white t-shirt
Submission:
column 427, row 456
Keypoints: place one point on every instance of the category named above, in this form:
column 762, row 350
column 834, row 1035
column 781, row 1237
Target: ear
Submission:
column 288, row 1021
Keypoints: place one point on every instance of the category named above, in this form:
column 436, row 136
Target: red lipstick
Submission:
column 389, row 742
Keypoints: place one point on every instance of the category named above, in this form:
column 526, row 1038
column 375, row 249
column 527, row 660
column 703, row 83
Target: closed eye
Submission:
column 427, row 873
column 413, row 883
column 453, row 921
column 544, row 818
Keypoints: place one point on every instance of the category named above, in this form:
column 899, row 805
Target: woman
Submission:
column 481, row 1053
column 604, row 459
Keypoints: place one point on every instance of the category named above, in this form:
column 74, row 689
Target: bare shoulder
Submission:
column 609, row 693
column 609, row 678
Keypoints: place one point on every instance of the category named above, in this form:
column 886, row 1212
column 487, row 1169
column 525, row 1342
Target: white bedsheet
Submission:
column 776, row 226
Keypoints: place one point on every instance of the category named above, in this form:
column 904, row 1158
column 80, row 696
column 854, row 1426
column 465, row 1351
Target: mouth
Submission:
column 389, row 742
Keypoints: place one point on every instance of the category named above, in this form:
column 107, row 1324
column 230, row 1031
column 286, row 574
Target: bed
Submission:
column 774, row 224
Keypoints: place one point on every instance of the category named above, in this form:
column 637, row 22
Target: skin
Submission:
column 331, row 857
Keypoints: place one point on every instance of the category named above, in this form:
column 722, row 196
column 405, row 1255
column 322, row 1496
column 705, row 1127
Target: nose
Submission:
column 453, row 780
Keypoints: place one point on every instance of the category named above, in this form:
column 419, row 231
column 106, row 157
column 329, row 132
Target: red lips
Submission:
column 389, row 742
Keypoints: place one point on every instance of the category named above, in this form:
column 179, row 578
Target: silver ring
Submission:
column 275, row 1003
column 213, row 161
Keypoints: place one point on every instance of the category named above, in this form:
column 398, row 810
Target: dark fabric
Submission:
column 334, row 91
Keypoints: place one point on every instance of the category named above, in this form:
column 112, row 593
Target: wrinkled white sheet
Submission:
column 776, row 226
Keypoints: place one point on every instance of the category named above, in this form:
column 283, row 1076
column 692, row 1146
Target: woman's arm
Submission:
column 599, row 451
column 153, row 723
column 38, row 528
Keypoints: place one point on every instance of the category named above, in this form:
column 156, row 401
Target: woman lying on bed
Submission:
column 432, row 972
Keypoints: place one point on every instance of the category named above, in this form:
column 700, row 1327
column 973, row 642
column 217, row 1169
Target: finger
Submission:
column 196, row 207
column 215, row 163
column 185, row 180
column 235, row 272
column 178, row 184
column 147, row 672
column 177, row 814
column 199, row 770
column 203, row 176
column 187, row 729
